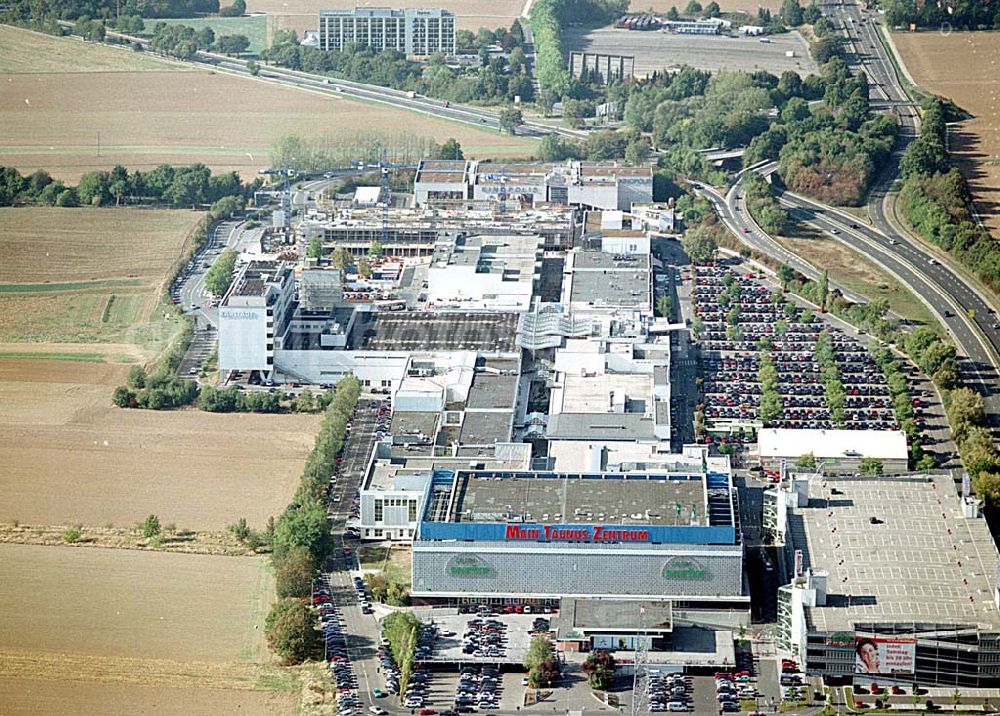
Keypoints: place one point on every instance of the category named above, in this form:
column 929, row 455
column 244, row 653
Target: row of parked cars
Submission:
column 732, row 688
column 335, row 648
column 732, row 358
column 478, row 688
column 668, row 692
column 485, row 638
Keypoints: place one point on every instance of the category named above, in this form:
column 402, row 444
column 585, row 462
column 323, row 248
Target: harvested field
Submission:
column 73, row 124
column 179, row 633
column 70, row 456
column 26, row 51
column 940, row 63
column 655, row 51
column 136, row 605
column 36, row 697
column 301, row 15
column 49, row 245
column 87, row 275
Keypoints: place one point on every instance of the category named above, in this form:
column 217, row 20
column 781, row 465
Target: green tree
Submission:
column 786, row 274
column 305, row 402
column 302, row 525
column 341, row 258
column 811, row 13
column 638, row 150
column 699, row 244
column 539, row 653
column 713, row 9
column 290, row 629
column 315, row 248
column 451, row 149
column 664, row 306
column 871, row 466
column 219, row 277
column 806, row 461
column 823, row 289
column 93, row 188
column 546, row 101
column 554, row 148
column 151, row 527
column 253, row 68
column 599, row 668
column 232, row 44
column 295, row 575
column 693, row 8
column 510, row 119
column 364, row 267
column 375, row 250
column 791, row 13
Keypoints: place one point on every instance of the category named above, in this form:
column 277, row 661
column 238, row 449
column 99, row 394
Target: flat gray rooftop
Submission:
column 427, row 331
column 606, row 614
column 490, row 390
column 906, row 568
column 601, row 426
column 481, row 428
column 615, row 288
column 410, row 424
column 601, row 260
column 572, row 498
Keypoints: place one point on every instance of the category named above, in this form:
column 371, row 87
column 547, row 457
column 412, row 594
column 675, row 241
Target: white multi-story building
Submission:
column 412, row 31
column 256, row 309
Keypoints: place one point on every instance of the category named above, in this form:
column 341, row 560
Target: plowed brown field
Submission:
column 133, row 632
column 965, row 66
column 70, row 456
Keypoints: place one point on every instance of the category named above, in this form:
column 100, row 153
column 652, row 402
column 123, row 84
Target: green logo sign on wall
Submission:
column 684, row 568
column 467, row 566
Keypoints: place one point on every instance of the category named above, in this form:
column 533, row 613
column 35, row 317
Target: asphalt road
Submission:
column 193, row 293
column 973, row 324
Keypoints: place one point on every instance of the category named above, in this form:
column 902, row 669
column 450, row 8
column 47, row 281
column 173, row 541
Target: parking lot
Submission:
column 370, row 419
column 467, row 639
column 740, row 319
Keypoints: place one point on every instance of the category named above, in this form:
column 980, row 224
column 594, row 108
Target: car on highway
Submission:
column 834, row 231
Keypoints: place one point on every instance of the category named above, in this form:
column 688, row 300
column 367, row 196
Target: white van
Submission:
column 676, row 706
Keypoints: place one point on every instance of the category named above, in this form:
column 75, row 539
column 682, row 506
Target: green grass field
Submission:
column 23, row 51
column 255, row 28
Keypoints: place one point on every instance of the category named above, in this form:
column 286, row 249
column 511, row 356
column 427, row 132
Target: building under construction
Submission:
column 415, row 232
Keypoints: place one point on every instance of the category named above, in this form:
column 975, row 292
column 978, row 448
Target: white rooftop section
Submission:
column 613, row 456
column 925, row 560
column 431, row 381
column 367, row 195
column 832, row 444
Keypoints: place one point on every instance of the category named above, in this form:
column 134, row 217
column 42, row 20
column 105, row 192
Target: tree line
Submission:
column 548, row 20
column 498, row 78
column 961, row 14
column 829, row 150
column 43, row 16
column 302, row 537
column 184, row 42
column 189, row 186
column 936, row 202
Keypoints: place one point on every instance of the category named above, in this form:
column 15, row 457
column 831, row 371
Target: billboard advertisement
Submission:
column 884, row 655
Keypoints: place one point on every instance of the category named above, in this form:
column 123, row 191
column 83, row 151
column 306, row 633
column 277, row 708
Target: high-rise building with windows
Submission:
column 412, row 31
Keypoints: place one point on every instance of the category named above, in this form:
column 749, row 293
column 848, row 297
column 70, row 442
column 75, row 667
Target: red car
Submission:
column 426, row 712
column 347, row 551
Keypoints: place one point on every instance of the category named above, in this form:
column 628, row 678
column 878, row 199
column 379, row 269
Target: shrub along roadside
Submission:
column 935, row 199
column 401, row 630
column 302, row 538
